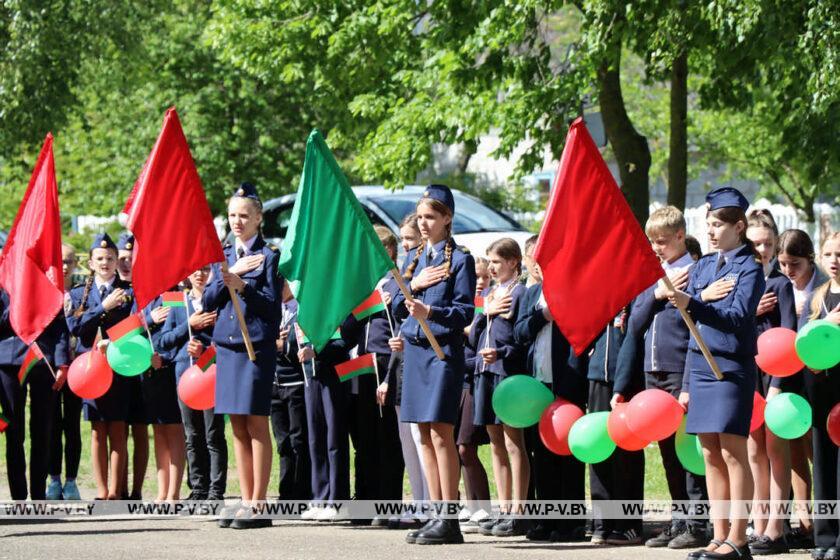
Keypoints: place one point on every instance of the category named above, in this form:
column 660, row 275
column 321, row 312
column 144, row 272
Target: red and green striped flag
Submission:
column 371, row 305
column 131, row 325
column 365, row 363
column 173, row 299
column 4, row 423
column 479, row 304
column 207, row 359
column 33, row 356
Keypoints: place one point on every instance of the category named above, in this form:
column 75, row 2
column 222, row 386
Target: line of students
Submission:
column 407, row 416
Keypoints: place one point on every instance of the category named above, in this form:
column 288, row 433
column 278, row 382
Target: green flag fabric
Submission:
column 331, row 256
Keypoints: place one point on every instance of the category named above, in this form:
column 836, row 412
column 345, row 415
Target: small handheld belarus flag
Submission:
column 132, row 324
column 365, row 363
column 33, row 356
column 4, row 423
column 371, row 305
column 479, row 304
column 207, row 359
column 173, row 299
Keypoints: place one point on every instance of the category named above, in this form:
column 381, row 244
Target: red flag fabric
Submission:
column 594, row 256
column 168, row 214
column 30, row 265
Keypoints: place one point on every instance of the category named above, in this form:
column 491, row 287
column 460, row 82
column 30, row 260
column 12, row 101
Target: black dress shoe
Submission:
column 411, row 537
column 253, row 519
column 765, row 546
column 538, row 533
column 445, row 531
column 696, row 554
column 737, row 553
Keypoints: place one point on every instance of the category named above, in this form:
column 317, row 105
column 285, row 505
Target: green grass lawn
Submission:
column 655, row 485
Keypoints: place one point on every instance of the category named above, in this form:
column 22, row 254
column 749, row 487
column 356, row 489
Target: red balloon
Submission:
column 653, row 415
column 197, row 388
column 620, row 433
column 555, row 423
column 89, row 375
column 777, row 352
column 833, row 424
column 759, row 404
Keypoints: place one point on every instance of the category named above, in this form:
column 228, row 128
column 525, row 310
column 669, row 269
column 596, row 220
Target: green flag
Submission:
column 331, row 256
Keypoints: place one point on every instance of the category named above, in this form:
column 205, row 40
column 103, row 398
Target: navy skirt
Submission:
column 243, row 386
column 720, row 407
column 431, row 388
column 485, row 383
column 114, row 405
column 160, row 396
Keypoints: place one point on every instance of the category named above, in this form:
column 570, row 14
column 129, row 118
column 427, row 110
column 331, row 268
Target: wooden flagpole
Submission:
column 423, row 324
column 234, row 298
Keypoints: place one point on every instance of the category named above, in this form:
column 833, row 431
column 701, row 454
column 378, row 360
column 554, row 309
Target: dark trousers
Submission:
column 13, row 404
column 620, row 477
column 207, row 455
column 329, row 445
column 682, row 485
column 288, row 422
column 378, row 460
column 66, row 425
column 823, row 391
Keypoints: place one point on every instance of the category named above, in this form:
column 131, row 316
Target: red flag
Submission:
column 594, row 256
column 30, row 265
column 169, row 217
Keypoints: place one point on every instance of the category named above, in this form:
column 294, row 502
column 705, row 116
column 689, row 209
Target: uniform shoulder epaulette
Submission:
column 227, row 245
column 274, row 248
column 463, row 249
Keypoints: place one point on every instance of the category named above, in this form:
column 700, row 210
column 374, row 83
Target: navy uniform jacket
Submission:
column 260, row 300
column 728, row 326
column 452, row 300
column 173, row 337
column 54, row 342
column 511, row 356
column 84, row 328
column 568, row 372
column 783, row 315
column 604, row 354
column 156, row 329
column 664, row 331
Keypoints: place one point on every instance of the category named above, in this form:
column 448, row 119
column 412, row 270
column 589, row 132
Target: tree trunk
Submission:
column 678, row 149
column 630, row 148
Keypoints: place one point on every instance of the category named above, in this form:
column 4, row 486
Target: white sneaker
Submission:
column 330, row 514
column 479, row 516
column 313, row 512
column 464, row 515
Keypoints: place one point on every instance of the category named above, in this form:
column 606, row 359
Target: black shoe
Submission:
column 539, row 533
column 832, row 553
column 798, row 539
column 737, row 553
column 662, row 539
column 818, row 553
column 379, row 521
column 630, row 537
column 196, row 497
column 691, row 537
column 251, row 520
column 696, row 554
column 765, row 546
column 575, row 535
column 510, row 527
column 486, row 527
column 411, row 537
column 227, row 514
column 446, row 531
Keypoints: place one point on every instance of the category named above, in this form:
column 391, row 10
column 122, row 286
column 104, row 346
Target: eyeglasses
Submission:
column 68, row 262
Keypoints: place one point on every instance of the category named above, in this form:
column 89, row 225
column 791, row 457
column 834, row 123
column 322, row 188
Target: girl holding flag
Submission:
column 187, row 334
column 719, row 411
column 442, row 278
column 100, row 303
column 243, row 387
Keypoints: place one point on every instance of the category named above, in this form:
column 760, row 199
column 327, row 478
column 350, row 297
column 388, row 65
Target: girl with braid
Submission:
column 442, row 281
column 103, row 301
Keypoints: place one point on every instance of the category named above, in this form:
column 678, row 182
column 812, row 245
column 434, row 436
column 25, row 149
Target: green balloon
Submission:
column 788, row 415
column 818, row 344
column 131, row 355
column 589, row 440
column 689, row 451
column 519, row 400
